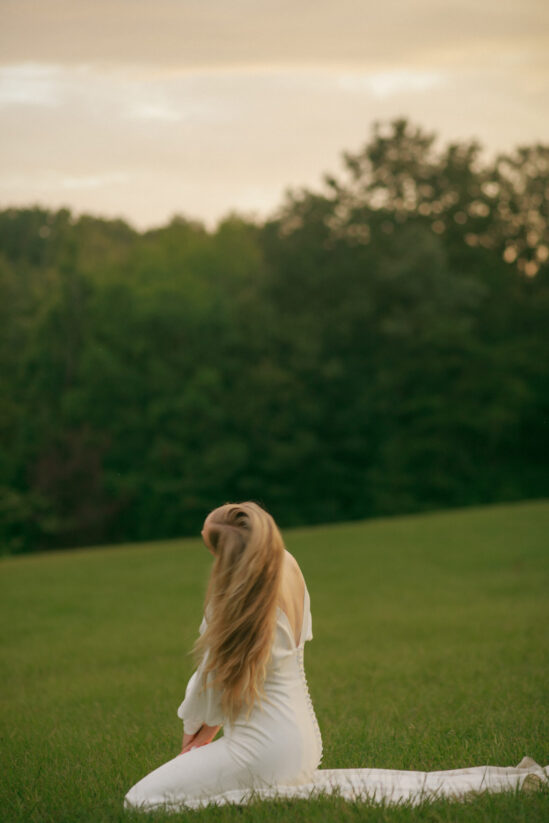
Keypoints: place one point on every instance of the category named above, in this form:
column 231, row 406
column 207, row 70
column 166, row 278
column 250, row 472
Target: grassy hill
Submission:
column 430, row 652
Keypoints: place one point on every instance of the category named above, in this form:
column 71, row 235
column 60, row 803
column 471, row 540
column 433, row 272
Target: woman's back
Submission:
column 280, row 740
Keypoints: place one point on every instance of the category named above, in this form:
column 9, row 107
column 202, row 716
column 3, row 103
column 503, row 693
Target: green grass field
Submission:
column 430, row 651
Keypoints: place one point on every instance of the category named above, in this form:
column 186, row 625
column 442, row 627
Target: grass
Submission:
column 429, row 652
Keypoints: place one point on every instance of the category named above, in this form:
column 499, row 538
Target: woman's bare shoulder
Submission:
column 293, row 582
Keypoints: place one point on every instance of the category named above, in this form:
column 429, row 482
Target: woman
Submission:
column 251, row 680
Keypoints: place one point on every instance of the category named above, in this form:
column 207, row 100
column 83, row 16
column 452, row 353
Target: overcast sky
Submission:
column 142, row 109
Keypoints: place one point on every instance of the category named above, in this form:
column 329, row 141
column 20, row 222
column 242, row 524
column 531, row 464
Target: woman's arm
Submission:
column 201, row 706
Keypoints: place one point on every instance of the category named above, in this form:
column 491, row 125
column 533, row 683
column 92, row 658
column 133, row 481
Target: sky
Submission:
column 142, row 109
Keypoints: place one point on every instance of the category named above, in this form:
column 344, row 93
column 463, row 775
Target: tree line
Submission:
column 376, row 346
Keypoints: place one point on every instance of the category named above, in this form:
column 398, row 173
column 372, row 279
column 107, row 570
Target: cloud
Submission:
column 47, row 180
column 30, row 84
column 384, row 84
column 154, row 111
column 93, row 181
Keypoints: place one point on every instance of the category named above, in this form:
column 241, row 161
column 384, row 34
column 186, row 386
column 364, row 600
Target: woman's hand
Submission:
column 202, row 737
column 187, row 740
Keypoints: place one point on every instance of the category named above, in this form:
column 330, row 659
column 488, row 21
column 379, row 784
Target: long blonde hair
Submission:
column 240, row 603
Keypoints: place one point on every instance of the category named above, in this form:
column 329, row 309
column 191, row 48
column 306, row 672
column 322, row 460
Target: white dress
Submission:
column 277, row 751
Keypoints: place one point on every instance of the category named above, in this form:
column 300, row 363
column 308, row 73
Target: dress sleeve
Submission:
column 201, row 705
column 309, row 621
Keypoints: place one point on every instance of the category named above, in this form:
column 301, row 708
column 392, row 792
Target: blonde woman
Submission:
column 250, row 679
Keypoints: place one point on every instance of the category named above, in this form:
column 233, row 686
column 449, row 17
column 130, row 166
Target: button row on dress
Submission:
column 310, row 703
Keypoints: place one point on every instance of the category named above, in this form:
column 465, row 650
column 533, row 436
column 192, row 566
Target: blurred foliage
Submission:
column 377, row 347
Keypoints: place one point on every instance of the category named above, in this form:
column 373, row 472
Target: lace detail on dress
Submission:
column 312, row 712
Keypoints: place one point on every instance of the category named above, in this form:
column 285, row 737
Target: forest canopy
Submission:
column 379, row 346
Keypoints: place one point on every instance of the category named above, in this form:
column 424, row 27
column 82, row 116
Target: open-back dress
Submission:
column 276, row 752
